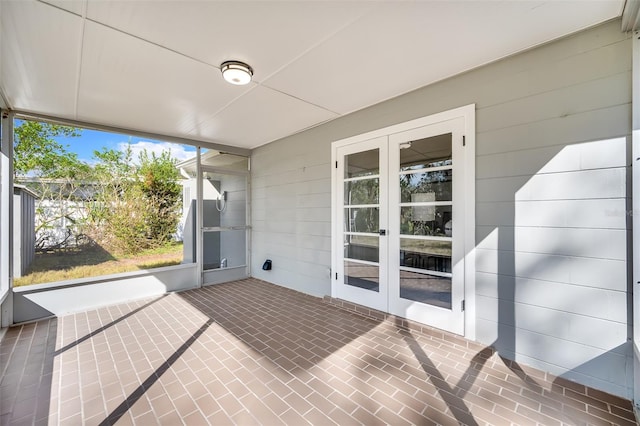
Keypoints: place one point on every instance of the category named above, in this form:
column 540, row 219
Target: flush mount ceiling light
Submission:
column 236, row 72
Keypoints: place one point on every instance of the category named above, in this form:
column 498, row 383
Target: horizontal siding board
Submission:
column 583, row 373
column 552, row 67
column 280, row 227
column 286, row 189
column 576, row 242
column 314, row 214
column 603, row 214
column 500, row 336
column 320, row 229
column 283, row 178
column 585, row 330
column 594, row 302
column 267, row 239
column 609, row 153
column 281, row 213
column 318, row 186
column 315, row 256
column 580, row 185
column 314, row 243
column 600, row 124
column 606, row 370
column 604, row 365
column 313, row 200
column 313, row 170
column 607, row 91
column 599, row 273
column 584, row 43
column 572, row 213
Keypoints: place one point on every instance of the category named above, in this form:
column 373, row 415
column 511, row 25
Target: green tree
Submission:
column 45, row 166
column 159, row 183
column 138, row 204
column 37, row 153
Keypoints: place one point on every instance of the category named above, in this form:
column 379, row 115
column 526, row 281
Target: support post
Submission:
column 635, row 212
column 6, row 219
column 199, row 218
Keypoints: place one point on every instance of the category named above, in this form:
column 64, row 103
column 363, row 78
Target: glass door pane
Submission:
column 224, row 210
column 361, row 187
column 426, row 211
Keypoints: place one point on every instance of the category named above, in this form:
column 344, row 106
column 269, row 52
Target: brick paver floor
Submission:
column 249, row 352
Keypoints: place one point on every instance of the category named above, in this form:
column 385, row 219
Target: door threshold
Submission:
column 401, row 322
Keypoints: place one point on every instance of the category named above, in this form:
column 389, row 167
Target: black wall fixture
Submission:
column 267, row 265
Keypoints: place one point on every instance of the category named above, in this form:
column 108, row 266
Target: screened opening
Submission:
column 91, row 203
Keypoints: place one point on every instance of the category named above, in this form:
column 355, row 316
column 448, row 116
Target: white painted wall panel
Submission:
column 551, row 202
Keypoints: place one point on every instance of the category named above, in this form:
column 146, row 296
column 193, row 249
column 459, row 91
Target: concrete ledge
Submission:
column 54, row 299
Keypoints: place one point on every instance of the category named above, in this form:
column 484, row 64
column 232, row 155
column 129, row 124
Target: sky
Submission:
column 94, row 140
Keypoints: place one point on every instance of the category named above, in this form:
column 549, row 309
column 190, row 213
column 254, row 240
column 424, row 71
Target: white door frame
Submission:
column 467, row 113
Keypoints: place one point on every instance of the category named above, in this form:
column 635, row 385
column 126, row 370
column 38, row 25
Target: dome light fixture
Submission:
column 236, row 72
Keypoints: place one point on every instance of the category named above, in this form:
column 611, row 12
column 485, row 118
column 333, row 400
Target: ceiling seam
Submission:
column 152, row 43
column 225, row 106
column 312, row 126
column 221, row 109
column 321, row 42
column 59, row 8
column 300, row 99
column 86, row 18
column 80, row 51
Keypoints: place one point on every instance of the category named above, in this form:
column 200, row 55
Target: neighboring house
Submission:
column 224, row 212
column 59, row 208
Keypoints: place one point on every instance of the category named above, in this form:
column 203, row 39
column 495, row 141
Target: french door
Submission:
column 400, row 218
column 362, row 218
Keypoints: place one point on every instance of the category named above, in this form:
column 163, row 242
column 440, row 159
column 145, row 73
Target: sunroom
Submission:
column 394, row 212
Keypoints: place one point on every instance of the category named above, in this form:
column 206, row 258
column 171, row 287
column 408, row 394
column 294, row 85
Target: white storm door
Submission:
column 361, row 218
column 426, row 225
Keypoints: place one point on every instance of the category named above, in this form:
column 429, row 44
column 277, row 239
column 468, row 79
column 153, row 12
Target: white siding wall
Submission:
column 552, row 192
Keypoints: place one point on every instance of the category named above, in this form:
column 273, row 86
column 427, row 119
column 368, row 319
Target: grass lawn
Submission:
column 69, row 265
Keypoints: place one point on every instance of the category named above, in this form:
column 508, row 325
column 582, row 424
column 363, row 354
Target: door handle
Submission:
column 383, row 232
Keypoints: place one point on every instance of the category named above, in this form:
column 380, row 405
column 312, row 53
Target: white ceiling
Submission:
column 153, row 66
